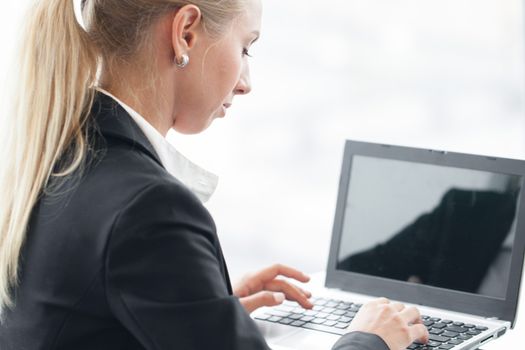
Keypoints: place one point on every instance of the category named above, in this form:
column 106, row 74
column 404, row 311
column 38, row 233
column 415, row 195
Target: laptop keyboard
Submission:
column 334, row 316
column 327, row 315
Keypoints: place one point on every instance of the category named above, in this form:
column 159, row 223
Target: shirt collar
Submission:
column 200, row 181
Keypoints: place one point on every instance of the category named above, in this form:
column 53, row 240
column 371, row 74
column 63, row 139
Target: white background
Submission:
column 445, row 74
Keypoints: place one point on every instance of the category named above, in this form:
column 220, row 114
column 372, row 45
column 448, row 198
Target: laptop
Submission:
column 439, row 230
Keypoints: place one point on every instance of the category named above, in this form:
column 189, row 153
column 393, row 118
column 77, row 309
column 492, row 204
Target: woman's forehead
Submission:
column 251, row 18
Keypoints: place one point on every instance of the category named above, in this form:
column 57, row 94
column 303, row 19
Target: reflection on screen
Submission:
column 434, row 225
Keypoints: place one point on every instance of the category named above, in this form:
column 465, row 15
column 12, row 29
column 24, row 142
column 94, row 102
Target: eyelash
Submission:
column 245, row 52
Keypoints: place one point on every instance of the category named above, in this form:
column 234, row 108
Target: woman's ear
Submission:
column 185, row 30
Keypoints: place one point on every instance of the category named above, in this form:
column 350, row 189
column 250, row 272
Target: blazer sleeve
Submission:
column 163, row 276
column 360, row 341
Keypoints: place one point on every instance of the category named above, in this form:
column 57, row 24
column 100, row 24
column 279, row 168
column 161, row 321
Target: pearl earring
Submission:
column 184, row 60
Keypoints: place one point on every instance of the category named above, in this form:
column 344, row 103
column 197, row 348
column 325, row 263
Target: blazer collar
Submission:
column 114, row 122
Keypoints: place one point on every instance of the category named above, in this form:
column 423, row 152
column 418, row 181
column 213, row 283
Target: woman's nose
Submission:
column 244, row 85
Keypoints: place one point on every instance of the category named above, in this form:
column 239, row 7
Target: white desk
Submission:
column 507, row 342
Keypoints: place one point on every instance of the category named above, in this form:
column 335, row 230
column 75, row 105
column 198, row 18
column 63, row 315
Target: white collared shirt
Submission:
column 201, row 182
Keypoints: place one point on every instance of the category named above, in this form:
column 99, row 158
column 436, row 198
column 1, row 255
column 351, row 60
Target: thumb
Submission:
column 255, row 301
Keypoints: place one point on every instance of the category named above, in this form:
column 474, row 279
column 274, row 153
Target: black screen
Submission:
column 434, row 225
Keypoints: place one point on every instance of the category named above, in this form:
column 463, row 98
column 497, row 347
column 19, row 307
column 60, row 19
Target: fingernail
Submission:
column 278, row 297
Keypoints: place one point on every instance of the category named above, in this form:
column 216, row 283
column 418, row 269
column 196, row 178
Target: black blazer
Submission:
column 123, row 256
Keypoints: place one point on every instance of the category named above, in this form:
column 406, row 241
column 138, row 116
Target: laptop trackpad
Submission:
column 307, row 340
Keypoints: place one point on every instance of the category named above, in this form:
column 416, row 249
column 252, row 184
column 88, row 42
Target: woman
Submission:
column 105, row 243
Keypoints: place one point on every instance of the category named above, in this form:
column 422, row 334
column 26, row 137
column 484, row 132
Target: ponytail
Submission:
column 58, row 67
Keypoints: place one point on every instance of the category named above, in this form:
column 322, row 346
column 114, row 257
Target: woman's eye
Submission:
column 245, row 52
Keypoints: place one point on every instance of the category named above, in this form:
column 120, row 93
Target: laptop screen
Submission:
column 429, row 224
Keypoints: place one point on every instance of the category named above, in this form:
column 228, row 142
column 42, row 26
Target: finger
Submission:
column 419, row 332
column 255, row 301
column 291, row 292
column 271, row 272
column 380, row 301
column 397, row 306
column 411, row 315
column 307, row 293
column 304, row 291
column 241, row 290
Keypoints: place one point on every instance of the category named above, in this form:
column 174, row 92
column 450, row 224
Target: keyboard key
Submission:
column 464, row 336
column 263, row 317
column 285, row 308
column 433, row 344
column 439, row 325
column 455, row 341
column 320, row 302
column 481, row 328
column 307, row 318
column 297, row 323
column 435, row 331
column 458, row 323
column 333, row 317
column 274, row 319
column 473, row 332
column 278, row 313
column 350, row 313
column 330, row 323
column 342, row 325
column 295, row 316
column 438, row 338
column 469, row 325
column 323, row 328
column 450, row 334
column 343, row 307
column 318, row 320
column 286, row 321
column 428, row 323
column 456, row 329
column 445, row 346
column 446, row 321
column 345, row 319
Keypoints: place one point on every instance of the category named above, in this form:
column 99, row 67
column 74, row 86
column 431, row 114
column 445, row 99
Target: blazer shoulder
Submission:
column 121, row 170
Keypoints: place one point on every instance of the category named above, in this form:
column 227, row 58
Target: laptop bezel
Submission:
column 484, row 306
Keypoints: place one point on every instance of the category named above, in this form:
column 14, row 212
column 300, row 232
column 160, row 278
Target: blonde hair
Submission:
column 58, row 70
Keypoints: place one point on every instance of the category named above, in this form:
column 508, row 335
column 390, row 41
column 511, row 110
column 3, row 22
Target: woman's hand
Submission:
column 264, row 288
column 397, row 325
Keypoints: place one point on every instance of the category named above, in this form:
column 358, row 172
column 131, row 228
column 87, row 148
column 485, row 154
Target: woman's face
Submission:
column 218, row 70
